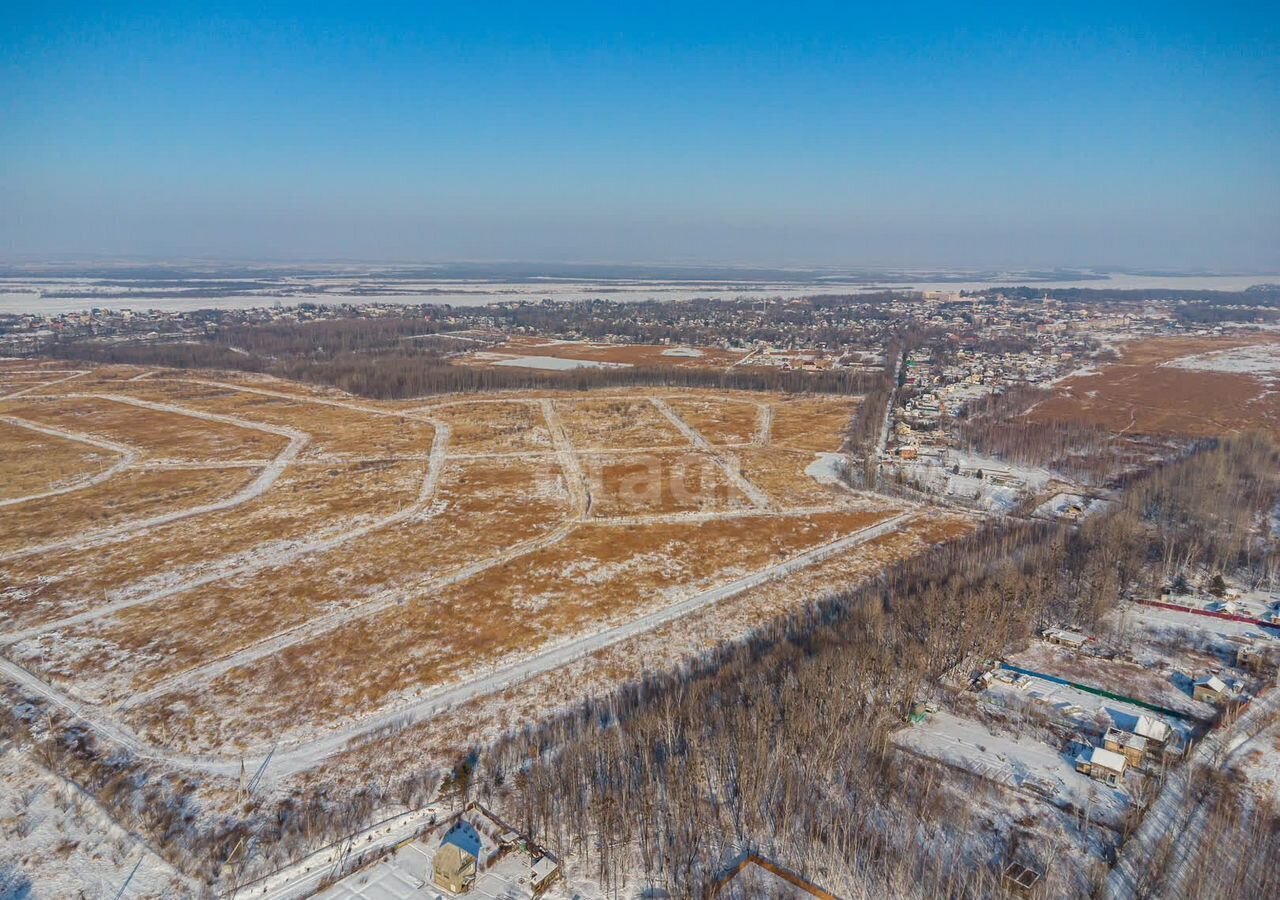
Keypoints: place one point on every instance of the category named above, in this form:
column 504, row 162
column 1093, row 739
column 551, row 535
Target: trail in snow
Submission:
column 128, row 456
column 764, row 425
column 579, row 489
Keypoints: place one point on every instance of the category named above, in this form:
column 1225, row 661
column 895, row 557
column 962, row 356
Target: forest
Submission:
column 368, row 357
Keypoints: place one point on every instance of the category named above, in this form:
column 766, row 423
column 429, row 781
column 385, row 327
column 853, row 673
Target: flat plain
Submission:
column 215, row 565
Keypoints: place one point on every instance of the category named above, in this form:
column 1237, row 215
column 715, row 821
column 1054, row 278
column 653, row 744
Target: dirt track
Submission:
column 563, row 458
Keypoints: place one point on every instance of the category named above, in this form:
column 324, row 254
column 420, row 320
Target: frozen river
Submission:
column 52, row 296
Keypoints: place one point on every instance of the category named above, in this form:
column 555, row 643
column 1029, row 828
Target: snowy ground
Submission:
column 556, row 362
column 828, row 468
column 1259, row 360
column 1075, row 707
column 1065, row 505
column 1012, row 761
column 1258, row 760
column 407, row 873
column 998, row 493
column 1169, row 622
column 57, row 842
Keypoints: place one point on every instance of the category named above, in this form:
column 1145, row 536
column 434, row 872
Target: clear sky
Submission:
column 900, row 133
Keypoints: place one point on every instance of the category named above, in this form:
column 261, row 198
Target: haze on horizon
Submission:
column 921, row 135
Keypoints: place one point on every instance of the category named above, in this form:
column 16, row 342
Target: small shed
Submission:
column 1155, row 731
column 543, row 873
column 1210, row 689
column 1103, row 765
column 1065, row 638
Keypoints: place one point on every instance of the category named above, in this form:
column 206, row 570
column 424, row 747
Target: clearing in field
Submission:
column 492, row 427
column 816, row 424
column 520, row 350
column 721, row 422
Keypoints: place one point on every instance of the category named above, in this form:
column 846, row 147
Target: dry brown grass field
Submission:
column 659, row 482
column 594, row 578
column 308, row 502
column 154, row 433
column 387, row 550
column 493, row 427
column 616, row 423
column 32, row 462
column 724, row 422
column 133, row 494
column 1149, row 390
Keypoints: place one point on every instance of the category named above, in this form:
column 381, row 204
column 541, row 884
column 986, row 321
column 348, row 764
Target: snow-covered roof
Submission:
column 1101, row 756
column 543, row 867
column 1152, row 728
column 1213, row 683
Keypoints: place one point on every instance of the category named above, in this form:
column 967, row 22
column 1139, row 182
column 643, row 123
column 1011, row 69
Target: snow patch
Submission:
column 556, row 363
column 827, row 468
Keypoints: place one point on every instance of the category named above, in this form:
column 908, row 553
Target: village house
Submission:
column 1156, row 732
column 1065, row 638
column 1133, row 747
column 1210, row 689
column 456, row 861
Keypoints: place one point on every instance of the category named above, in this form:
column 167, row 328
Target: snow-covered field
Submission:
column 1013, row 761
column 1073, row 506
column 1259, row 360
column 982, row 481
column 555, row 362
column 57, row 842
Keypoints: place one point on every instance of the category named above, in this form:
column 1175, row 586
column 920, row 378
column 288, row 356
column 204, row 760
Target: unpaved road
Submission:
column 302, row 753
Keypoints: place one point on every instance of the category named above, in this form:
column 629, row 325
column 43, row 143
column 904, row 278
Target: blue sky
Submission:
column 884, row 134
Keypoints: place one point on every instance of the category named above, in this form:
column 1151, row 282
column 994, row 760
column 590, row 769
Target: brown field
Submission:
column 335, row 432
column 624, row 354
column 780, row 474
column 32, row 463
column 658, row 482
column 719, row 421
column 133, row 494
column 630, row 660
column 616, row 423
column 351, row 584
column 1137, row 394
column 812, row 423
column 306, row 503
column 490, row 506
column 156, row 434
column 493, row 427
column 590, row 580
